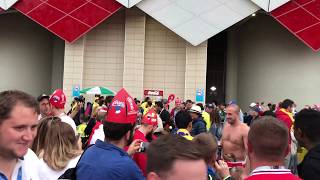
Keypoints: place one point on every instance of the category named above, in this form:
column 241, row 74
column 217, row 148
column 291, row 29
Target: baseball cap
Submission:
column 253, row 104
column 210, row 105
column 195, row 109
column 58, row 99
column 123, row 109
column 42, row 96
column 150, row 118
column 255, row 108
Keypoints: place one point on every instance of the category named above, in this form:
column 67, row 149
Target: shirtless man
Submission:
column 235, row 137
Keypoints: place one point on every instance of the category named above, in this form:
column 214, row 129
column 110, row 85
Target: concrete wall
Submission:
column 272, row 64
column 73, row 67
column 57, row 63
column 196, row 70
column 103, row 54
column 165, row 60
column 25, row 55
column 132, row 50
column 97, row 58
column 133, row 68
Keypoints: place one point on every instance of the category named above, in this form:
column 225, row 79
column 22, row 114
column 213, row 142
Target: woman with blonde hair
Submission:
column 57, row 147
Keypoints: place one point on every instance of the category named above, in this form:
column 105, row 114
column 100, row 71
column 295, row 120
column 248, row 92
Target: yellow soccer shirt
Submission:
column 206, row 118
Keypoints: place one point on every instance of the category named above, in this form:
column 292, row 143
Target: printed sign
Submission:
column 153, row 93
column 76, row 91
column 200, row 95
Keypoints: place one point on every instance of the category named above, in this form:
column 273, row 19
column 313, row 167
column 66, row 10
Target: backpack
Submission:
column 71, row 172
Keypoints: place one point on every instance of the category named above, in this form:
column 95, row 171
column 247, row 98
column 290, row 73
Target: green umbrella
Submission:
column 97, row 90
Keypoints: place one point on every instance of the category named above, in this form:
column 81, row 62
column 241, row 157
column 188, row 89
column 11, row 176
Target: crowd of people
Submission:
column 120, row 138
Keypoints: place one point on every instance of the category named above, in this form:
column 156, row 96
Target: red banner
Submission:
column 171, row 98
column 153, row 93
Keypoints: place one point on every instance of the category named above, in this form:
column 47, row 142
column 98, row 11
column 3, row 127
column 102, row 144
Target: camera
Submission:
column 143, row 147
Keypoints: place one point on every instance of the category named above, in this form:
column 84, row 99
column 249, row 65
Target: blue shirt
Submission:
column 107, row 161
column 3, row 177
column 212, row 173
column 198, row 126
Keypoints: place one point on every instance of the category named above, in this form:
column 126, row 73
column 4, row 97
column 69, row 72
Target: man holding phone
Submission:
column 149, row 123
column 107, row 159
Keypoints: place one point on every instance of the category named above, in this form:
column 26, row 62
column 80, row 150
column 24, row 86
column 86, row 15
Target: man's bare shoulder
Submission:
column 245, row 128
column 226, row 127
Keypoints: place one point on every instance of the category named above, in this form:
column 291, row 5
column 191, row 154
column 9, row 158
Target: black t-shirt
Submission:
column 165, row 116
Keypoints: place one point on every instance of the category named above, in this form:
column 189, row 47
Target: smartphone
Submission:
column 143, row 147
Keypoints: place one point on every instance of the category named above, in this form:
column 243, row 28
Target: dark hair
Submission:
column 108, row 100
column 286, row 103
column 160, row 104
column 9, row 99
column 207, row 145
column 201, row 106
column 115, row 131
column 269, row 113
column 147, row 99
column 269, row 138
column 101, row 102
column 308, row 121
column 149, row 104
column 42, row 97
column 215, row 117
column 82, row 99
column 183, row 119
column 189, row 101
column 215, row 102
column 163, row 152
column 222, row 104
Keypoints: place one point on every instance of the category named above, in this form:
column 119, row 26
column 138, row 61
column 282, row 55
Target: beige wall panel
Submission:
column 73, row 67
column 196, row 69
column 104, row 54
column 165, row 59
column 134, row 52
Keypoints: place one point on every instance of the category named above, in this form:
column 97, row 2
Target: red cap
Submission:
column 150, row 118
column 123, row 109
column 58, row 99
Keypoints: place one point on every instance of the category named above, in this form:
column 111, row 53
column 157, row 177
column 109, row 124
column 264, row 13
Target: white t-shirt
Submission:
column 29, row 165
column 46, row 173
column 68, row 120
column 98, row 134
column 160, row 125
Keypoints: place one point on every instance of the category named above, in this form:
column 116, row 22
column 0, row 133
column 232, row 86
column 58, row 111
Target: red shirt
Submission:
column 286, row 119
column 267, row 173
column 140, row 158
